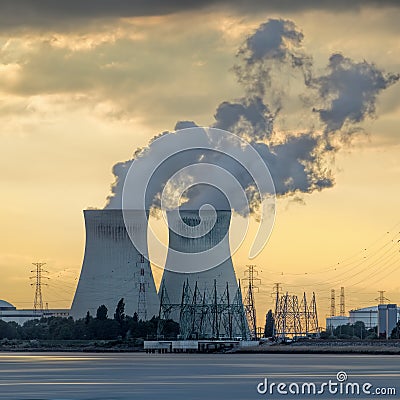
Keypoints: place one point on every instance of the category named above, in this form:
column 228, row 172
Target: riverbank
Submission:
column 91, row 346
column 321, row 350
column 326, row 347
column 135, row 346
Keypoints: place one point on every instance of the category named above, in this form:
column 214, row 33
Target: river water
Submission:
column 140, row 376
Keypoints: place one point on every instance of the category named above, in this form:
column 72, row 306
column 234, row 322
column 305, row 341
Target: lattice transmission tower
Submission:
column 205, row 314
column 39, row 276
column 382, row 299
column 249, row 301
column 143, row 284
column 342, row 302
column 296, row 318
column 333, row 303
column 276, row 294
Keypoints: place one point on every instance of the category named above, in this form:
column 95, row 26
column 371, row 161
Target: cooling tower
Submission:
column 222, row 272
column 112, row 267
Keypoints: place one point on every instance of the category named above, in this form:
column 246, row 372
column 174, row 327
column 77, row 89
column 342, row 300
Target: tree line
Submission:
column 98, row 327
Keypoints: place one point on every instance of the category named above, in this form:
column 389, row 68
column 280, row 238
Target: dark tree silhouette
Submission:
column 396, row 331
column 119, row 315
column 88, row 328
column 102, row 313
column 269, row 324
column 88, row 318
column 8, row 330
column 348, row 331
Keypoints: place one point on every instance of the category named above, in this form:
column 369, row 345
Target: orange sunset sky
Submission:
column 79, row 93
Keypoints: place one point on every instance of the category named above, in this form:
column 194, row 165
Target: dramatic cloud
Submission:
column 298, row 161
column 275, row 43
column 44, row 14
column 349, row 91
column 249, row 118
column 122, row 77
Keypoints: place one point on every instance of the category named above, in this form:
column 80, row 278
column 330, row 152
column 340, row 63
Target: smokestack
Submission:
column 112, row 265
column 192, row 257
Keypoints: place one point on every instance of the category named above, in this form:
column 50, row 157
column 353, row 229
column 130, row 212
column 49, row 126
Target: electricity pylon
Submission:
column 38, row 301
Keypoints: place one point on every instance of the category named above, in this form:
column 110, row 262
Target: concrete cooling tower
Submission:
column 223, row 272
column 113, row 268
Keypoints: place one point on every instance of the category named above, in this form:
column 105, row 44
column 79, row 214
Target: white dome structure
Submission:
column 6, row 306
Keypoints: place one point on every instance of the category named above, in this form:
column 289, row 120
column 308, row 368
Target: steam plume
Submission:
column 343, row 96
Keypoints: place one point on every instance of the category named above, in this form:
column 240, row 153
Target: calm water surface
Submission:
column 183, row 377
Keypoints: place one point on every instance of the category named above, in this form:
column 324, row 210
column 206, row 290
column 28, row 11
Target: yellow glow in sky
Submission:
column 75, row 100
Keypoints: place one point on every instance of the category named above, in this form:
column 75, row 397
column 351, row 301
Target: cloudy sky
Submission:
column 84, row 84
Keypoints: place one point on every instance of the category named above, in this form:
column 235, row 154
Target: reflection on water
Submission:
column 47, row 357
column 175, row 376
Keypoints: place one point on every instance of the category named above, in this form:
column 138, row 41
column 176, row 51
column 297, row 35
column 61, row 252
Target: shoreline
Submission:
column 370, row 350
column 367, row 350
column 376, row 352
column 119, row 346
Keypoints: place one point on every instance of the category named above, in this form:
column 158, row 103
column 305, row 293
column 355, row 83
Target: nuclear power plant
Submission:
column 198, row 289
column 113, row 268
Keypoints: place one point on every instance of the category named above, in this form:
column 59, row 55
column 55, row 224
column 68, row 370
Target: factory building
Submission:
column 387, row 314
column 113, row 268
column 387, row 319
column 368, row 315
column 9, row 313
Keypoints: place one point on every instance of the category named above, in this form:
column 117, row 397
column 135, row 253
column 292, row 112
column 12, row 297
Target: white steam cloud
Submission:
column 299, row 162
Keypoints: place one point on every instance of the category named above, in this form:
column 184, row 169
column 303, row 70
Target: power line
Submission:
column 333, row 303
column 296, row 318
column 369, row 261
column 382, row 299
column 38, row 300
column 142, row 307
column 342, row 302
column 373, row 263
column 249, row 301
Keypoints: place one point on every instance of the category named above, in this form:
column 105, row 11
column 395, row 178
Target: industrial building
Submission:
column 9, row 313
column 113, row 268
column 387, row 319
column 367, row 315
